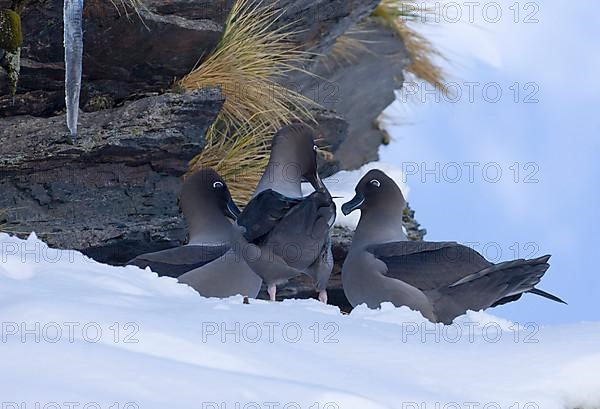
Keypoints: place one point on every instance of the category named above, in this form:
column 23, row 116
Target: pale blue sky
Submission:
column 554, row 142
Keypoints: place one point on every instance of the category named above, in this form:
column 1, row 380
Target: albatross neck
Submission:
column 210, row 228
column 282, row 178
column 377, row 227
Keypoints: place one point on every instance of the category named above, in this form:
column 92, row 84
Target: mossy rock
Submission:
column 11, row 36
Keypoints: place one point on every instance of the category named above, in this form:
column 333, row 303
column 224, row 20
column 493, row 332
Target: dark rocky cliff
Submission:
column 358, row 86
column 127, row 55
column 113, row 191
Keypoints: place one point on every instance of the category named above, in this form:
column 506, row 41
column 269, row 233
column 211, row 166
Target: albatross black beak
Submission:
column 353, row 204
column 316, row 182
column 231, row 210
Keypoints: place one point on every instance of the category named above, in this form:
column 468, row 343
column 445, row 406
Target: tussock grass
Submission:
column 239, row 155
column 247, row 63
column 126, row 5
column 345, row 48
column 398, row 14
column 398, row 9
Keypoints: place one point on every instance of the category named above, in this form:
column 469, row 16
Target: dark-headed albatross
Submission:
column 207, row 262
column 283, row 233
column 442, row 280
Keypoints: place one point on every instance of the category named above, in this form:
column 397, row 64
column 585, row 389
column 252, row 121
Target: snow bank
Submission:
column 343, row 183
column 76, row 333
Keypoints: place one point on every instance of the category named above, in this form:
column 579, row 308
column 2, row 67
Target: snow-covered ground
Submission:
column 76, row 333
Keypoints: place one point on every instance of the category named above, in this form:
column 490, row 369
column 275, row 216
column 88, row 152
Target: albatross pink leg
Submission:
column 323, row 296
column 272, row 290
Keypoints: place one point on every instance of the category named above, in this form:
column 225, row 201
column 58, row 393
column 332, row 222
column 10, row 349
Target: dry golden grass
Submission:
column 126, row 5
column 239, row 155
column 251, row 56
column 246, row 65
column 397, row 14
column 345, row 47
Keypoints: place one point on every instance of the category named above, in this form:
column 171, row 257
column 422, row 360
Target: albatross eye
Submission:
column 217, row 185
column 375, row 183
column 315, row 148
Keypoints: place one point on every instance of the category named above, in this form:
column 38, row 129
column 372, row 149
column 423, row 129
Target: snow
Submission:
column 342, row 184
column 73, row 42
column 73, row 330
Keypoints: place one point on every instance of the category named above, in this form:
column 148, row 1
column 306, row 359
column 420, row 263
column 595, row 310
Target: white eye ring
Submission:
column 315, row 148
column 375, row 183
column 217, row 185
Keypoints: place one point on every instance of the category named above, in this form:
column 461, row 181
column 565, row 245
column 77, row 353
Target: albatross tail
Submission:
column 544, row 294
column 493, row 286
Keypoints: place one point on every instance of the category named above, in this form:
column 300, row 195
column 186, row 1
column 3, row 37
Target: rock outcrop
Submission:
column 357, row 81
column 318, row 23
column 112, row 192
column 128, row 55
column 125, row 54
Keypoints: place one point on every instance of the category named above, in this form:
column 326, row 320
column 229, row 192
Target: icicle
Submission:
column 73, row 31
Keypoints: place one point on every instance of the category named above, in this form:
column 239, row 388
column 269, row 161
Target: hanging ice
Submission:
column 73, row 32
